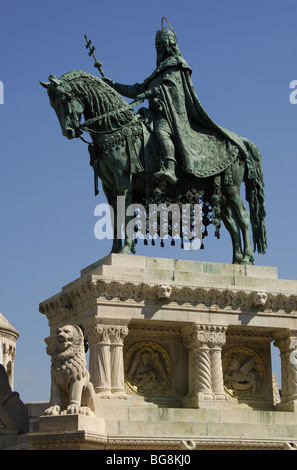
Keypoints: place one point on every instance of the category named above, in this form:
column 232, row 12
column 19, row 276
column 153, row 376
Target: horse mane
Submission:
column 99, row 99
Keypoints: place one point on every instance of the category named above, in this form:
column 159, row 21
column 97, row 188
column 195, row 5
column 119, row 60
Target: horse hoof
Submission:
column 246, row 261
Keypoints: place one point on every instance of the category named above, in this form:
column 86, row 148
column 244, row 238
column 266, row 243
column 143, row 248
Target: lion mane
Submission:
column 70, row 365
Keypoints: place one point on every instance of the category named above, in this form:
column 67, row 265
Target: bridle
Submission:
column 85, row 125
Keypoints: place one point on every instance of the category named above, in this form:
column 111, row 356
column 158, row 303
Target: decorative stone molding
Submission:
column 148, row 331
column 164, row 291
column 114, row 290
column 250, row 335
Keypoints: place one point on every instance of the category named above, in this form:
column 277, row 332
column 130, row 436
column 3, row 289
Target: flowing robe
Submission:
column 203, row 148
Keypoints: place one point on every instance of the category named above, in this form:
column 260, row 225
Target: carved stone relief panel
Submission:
column 247, row 370
column 155, row 363
column 148, row 368
column 244, row 372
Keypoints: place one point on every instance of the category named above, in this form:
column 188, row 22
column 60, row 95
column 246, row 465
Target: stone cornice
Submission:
column 8, row 335
column 94, row 288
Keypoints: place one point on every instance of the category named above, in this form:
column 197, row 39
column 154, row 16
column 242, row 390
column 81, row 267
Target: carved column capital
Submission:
column 117, row 334
column 197, row 335
column 97, row 334
column 286, row 342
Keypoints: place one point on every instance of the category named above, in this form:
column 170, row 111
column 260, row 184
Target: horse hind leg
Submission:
column 128, row 243
column 116, row 235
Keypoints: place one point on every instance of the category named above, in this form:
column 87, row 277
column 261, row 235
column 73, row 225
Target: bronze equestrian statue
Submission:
column 171, row 152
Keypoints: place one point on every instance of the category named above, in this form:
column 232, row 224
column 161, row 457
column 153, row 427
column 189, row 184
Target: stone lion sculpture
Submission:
column 13, row 412
column 71, row 389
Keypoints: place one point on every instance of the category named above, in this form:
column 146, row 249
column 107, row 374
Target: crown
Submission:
column 166, row 33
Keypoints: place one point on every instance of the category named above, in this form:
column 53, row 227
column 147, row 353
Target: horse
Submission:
column 125, row 155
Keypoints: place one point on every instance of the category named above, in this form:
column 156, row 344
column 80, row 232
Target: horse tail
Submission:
column 254, row 183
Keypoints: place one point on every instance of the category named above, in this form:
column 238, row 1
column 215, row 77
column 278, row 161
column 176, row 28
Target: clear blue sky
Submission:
column 243, row 57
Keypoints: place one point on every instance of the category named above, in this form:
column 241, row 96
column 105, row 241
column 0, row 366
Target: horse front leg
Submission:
column 248, row 255
column 242, row 219
column 121, row 217
column 234, row 231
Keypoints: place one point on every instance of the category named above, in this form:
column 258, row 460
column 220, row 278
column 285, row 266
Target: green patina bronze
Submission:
column 169, row 152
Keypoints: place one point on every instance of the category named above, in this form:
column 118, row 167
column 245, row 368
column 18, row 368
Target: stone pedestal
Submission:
column 189, row 336
column 67, row 432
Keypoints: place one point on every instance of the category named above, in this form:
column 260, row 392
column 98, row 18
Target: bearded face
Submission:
column 161, row 50
column 165, row 42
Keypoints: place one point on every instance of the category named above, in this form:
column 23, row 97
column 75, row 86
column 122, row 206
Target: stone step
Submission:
column 186, row 423
column 189, row 423
column 168, row 429
column 236, row 414
column 188, row 430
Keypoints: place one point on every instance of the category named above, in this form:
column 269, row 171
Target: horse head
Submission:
column 67, row 107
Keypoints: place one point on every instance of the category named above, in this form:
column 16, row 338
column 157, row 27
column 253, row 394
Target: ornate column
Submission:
column 99, row 362
column 117, row 335
column 287, row 345
column 217, row 382
column 205, row 377
column 106, row 363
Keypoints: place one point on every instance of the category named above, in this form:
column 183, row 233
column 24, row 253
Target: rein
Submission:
column 84, row 126
column 98, row 118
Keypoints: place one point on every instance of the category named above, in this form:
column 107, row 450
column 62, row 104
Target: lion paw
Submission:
column 52, row 410
column 85, row 410
column 75, row 409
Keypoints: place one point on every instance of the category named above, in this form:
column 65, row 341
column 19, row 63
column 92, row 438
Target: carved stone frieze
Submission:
column 215, row 297
column 164, row 291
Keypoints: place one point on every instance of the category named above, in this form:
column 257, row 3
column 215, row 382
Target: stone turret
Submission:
column 8, row 338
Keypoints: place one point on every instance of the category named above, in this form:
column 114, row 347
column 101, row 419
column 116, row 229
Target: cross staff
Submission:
column 97, row 64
